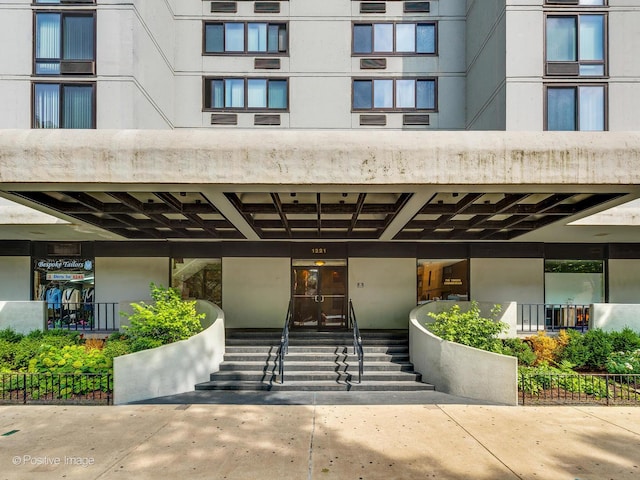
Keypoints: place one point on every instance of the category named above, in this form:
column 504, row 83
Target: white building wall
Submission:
column 255, row 291
column 624, row 281
column 383, row 291
column 120, row 279
column 502, row 280
column 15, row 278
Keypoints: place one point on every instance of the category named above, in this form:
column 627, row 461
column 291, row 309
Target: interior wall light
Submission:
column 319, row 263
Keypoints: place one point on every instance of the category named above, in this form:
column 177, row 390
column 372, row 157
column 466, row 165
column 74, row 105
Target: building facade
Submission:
column 388, row 152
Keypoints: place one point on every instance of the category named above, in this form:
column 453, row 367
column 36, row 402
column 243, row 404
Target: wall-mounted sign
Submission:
column 452, row 281
column 64, row 264
column 65, row 276
column 319, row 251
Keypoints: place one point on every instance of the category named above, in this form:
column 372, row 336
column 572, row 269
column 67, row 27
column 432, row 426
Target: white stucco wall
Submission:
column 255, row 291
column 383, row 291
column 624, row 281
column 23, row 317
column 173, row 368
column 128, row 278
column 507, row 280
column 614, row 317
column 15, row 278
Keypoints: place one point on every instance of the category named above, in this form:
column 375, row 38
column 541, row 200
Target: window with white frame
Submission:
column 63, row 105
column 237, row 38
column 394, row 38
column 394, row 94
column 576, row 107
column 575, row 45
column 246, row 94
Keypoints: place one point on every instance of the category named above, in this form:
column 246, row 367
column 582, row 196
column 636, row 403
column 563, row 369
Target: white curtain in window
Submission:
column 46, row 105
column 591, row 108
column 257, row 93
column 383, row 37
column 561, row 109
column 426, row 94
column 78, row 106
column 592, row 37
column 561, row 39
column 383, row 94
column 257, row 37
column 426, row 38
column 47, row 42
column 278, row 94
column 78, row 38
column 405, row 37
column 405, row 93
column 217, row 94
column 234, row 93
column 234, row 37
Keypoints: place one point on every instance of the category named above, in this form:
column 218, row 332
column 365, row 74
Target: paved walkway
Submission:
column 268, row 439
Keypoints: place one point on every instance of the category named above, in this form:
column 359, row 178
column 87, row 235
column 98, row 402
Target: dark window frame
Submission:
column 576, row 16
column 206, row 95
column 575, row 86
column 395, row 109
column 574, row 4
column 62, row 84
column 64, row 3
column 63, row 13
column 393, row 53
column 246, row 51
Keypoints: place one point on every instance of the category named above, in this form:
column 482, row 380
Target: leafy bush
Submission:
column 16, row 356
column 69, row 359
column 599, row 346
column 544, row 347
column 624, row 362
column 469, row 328
column 168, row 320
column 535, row 380
column 576, row 351
column 625, row 341
column 10, row 335
column 116, row 348
column 516, row 347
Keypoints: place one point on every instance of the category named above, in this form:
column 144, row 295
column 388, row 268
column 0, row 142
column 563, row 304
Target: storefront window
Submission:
column 577, row 282
column 198, row 278
column 443, row 280
column 67, row 286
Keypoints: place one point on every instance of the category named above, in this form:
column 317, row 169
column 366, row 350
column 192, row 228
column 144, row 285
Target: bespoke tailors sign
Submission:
column 63, row 265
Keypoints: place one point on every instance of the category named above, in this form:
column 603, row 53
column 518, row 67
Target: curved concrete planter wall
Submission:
column 174, row 368
column 458, row 369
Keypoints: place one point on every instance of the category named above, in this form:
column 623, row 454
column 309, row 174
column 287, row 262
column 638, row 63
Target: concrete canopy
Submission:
column 273, row 184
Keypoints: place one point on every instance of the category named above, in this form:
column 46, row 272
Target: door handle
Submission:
column 321, row 298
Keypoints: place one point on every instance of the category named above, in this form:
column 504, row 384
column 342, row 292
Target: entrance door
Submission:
column 319, row 294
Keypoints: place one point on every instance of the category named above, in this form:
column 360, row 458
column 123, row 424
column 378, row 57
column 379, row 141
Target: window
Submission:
column 585, row 3
column 575, row 45
column 63, row 105
column 239, row 38
column 64, row 43
column 394, row 38
column 580, row 107
column 66, row 2
column 394, row 94
column 246, row 94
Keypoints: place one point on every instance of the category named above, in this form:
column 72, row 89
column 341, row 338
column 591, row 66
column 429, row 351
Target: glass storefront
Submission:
column 198, row 278
column 67, row 286
column 443, row 280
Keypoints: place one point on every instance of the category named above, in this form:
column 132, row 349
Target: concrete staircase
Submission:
column 317, row 361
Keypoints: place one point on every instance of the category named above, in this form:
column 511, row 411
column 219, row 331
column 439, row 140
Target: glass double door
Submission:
column 320, row 295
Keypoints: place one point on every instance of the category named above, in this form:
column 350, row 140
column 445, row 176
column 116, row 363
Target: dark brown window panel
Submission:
column 267, row 63
column 267, row 7
column 415, row 120
column 224, row 119
column 266, row 119
column 224, row 7
column 417, row 7
column 373, row 63
column 379, row 120
column 373, row 7
column 563, row 68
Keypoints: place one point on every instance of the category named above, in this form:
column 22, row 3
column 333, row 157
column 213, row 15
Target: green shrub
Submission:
column 576, row 351
column 517, row 347
column 624, row 362
column 116, row 348
column 16, row 356
column 10, row 335
column 469, row 328
column 599, row 346
column 625, row 341
column 69, row 359
column 168, row 320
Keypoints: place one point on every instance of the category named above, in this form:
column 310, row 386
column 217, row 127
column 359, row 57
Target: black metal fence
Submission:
column 85, row 316
column 56, row 388
column 542, row 388
column 552, row 317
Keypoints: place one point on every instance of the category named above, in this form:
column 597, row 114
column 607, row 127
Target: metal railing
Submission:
column 357, row 340
column 552, row 316
column 56, row 388
column 84, row 316
column 284, row 341
column 571, row 389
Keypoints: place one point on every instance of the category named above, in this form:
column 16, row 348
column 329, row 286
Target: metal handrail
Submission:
column 284, row 341
column 552, row 316
column 357, row 340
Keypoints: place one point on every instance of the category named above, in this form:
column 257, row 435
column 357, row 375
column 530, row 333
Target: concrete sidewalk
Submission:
column 299, row 442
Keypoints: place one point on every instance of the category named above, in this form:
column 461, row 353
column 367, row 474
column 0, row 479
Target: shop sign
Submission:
column 64, row 264
column 452, row 281
column 65, row 276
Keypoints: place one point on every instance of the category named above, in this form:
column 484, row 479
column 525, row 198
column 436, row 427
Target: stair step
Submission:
column 293, row 386
column 316, row 366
